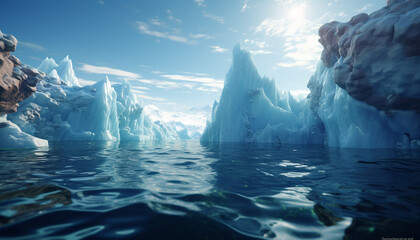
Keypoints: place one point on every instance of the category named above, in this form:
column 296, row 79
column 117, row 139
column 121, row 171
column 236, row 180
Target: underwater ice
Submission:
column 251, row 109
column 61, row 111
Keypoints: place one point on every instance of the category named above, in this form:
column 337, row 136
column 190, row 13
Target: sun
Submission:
column 297, row 12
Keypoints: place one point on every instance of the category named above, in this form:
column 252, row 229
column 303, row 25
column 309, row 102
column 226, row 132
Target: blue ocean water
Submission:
column 186, row 190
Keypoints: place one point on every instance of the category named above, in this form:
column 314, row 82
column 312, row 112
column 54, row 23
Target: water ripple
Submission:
column 184, row 190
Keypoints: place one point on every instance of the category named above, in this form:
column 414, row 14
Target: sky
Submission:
column 176, row 54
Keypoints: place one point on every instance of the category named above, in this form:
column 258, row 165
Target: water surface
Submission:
column 185, row 190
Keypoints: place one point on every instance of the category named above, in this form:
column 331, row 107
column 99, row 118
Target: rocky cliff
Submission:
column 17, row 81
column 375, row 57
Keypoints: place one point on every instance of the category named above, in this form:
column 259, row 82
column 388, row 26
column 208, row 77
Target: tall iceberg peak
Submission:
column 47, row 65
column 64, row 70
column 251, row 109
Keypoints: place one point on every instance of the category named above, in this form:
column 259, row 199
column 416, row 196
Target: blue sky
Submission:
column 176, row 53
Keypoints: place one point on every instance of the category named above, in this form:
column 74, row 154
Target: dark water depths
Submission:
column 184, row 190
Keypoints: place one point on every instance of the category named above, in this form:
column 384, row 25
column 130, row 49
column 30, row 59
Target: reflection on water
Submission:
column 184, row 190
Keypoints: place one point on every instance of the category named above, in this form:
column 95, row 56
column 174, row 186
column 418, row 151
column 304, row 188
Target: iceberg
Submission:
column 12, row 137
column 251, row 109
column 62, row 111
column 63, row 71
column 364, row 93
column 188, row 124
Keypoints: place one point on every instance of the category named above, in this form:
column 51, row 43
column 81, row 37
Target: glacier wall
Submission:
column 251, row 109
column 351, row 123
column 60, row 110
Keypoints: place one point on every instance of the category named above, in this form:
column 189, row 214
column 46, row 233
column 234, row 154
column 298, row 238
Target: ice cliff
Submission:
column 98, row 112
column 59, row 109
column 17, row 82
column 364, row 93
column 251, row 109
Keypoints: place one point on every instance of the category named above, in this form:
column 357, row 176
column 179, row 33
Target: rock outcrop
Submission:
column 375, row 57
column 17, row 81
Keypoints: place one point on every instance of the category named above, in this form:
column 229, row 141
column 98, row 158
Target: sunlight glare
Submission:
column 297, row 12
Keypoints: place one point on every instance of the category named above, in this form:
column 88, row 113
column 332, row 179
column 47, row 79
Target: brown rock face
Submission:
column 17, row 81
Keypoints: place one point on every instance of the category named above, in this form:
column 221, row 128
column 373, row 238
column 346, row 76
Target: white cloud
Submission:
column 144, row 28
column 218, row 49
column 85, row 82
column 144, row 96
column 342, row 14
column 203, row 89
column 197, row 74
column 255, row 43
column 101, row 2
column 364, row 8
column 172, row 18
column 300, row 38
column 233, row 30
column 161, row 84
column 190, row 78
column 156, row 21
column 140, row 87
column 201, row 36
column 213, row 17
column 332, row 2
column 110, row 71
column 244, row 6
column 218, row 84
column 200, row 3
column 33, row 46
column 256, row 52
